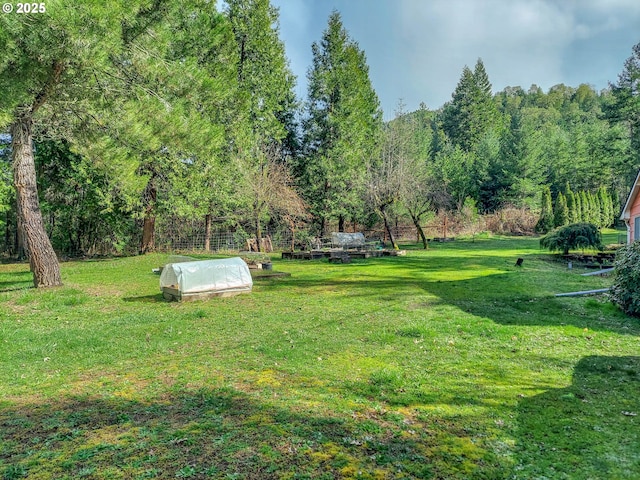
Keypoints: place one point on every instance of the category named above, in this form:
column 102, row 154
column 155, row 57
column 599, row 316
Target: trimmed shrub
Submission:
column 625, row 291
column 571, row 237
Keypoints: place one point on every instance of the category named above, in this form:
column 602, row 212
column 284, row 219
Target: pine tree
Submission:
column 577, row 198
column 509, row 176
column 594, row 208
column 586, row 207
column 571, row 204
column 604, row 200
column 470, row 121
column 266, row 86
column 342, row 126
column 264, row 77
column 456, row 116
column 626, row 101
column 472, row 111
column 546, row 220
column 112, row 66
column 487, row 111
column 202, row 38
column 561, row 212
column 614, row 208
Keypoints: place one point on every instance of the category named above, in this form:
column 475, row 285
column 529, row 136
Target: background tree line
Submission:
column 176, row 110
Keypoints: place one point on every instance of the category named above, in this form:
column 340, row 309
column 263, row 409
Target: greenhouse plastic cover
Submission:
column 224, row 275
column 347, row 240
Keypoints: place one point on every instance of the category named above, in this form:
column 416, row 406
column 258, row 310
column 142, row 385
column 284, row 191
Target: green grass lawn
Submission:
column 446, row 363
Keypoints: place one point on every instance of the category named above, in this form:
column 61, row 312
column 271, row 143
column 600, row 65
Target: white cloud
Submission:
column 518, row 40
column 416, row 49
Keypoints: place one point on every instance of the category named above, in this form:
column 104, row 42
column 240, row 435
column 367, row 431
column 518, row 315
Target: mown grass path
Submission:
column 447, row 363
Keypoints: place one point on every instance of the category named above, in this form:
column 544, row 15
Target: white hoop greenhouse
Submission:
column 205, row 278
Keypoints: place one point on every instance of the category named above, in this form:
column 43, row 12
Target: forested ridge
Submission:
column 141, row 115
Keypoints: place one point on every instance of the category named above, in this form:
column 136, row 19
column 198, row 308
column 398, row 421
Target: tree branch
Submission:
column 57, row 69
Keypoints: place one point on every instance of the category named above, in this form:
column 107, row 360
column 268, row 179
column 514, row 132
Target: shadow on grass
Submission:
column 11, row 286
column 507, row 295
column 97, row 259
column 591, row 427
column 218, row 433
column 19, row 280
column 156, row 298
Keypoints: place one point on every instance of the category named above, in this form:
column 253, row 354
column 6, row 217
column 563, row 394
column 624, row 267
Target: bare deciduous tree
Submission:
column 270, row 191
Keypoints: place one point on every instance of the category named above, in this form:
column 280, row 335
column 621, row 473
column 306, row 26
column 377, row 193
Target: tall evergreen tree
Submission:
column 561, row 212
column 595, row 209
column 586, row 207
column 472, row 111
column 578, row 216
column 471, row 121
column 488, row 116
column 264, row 77
column 571, row 204
column 545, row 222
column 203, row 39
column 509, row 175
column 457, row 116
column 204, row 187
column 616, row 206
column 604, row 199
column 266, row 87
column 342, row 126
column 625, row 106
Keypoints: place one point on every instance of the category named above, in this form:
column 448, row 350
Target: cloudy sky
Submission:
column 416, row 49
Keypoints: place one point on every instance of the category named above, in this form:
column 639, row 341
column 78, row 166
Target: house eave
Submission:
column 626, row 211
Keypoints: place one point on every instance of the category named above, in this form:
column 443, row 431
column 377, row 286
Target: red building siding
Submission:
column 634, row 212
column 631, row 212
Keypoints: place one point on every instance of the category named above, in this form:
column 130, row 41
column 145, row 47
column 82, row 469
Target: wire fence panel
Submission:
column 191, row 235
column 175, row 234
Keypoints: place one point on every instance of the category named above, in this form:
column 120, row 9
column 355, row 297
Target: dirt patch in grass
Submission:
column 15, row 308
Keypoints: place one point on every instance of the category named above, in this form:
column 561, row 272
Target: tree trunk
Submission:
column 207, row 232
column 149, row 223
column 389, row 229
column 292, row 225
column 148, row 235
column 42, row 258
column 258, row 233
column 7, row 231
column 21, row 249
column 423, row 238
column 341, row 223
